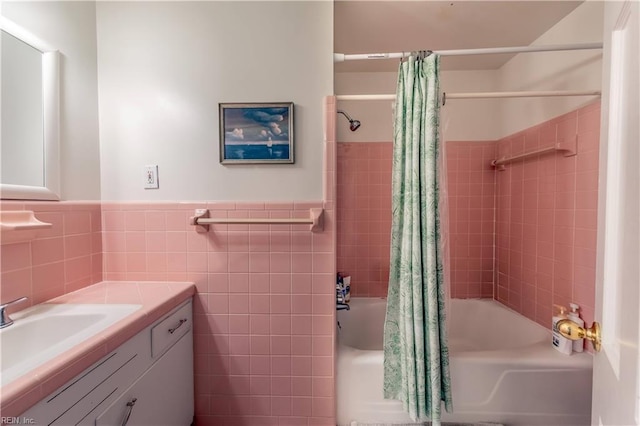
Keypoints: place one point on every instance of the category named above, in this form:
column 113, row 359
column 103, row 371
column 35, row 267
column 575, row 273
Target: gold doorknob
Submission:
column 573, row 331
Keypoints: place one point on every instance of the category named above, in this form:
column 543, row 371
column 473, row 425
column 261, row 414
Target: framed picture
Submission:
column 256, row 133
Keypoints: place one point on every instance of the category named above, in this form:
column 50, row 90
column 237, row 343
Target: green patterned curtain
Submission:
column 416, row 355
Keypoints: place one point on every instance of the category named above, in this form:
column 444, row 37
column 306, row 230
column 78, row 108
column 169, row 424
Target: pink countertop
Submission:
column 156, row 298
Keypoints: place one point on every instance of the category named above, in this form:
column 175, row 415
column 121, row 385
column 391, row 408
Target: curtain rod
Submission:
column 341, row 57
column 478, row 95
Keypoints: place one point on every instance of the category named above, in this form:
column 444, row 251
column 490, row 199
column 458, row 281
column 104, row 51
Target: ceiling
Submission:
column 397, row 26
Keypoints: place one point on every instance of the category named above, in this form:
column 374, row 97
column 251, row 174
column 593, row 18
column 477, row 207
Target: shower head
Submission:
column 353, row 124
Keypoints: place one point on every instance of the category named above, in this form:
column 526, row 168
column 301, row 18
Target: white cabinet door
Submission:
column 163, row 395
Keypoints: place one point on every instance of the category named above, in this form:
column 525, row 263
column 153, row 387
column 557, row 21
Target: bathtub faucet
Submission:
column 341, row 306
column 5, row 321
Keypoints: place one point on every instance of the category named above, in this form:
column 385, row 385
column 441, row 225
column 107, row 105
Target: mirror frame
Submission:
column 51, row 120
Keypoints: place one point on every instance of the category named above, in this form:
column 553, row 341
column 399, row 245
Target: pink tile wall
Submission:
column 364, row 215
column 471, row 191
column 64, row 258
column 547, row 216
column 539, row 214
column 264, row 309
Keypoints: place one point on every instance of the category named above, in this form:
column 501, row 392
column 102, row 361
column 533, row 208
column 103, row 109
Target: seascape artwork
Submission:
column 256, row 133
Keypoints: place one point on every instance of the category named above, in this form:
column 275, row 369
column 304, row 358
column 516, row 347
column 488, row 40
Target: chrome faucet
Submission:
column 5, row 321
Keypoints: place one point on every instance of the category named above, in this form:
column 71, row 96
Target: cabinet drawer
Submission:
column 78, row 398
column 169, row 330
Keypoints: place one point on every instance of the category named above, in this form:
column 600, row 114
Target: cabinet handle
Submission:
column 130, row 405
column 182, row 321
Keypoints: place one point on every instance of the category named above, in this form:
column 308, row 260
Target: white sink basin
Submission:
column 42, row 332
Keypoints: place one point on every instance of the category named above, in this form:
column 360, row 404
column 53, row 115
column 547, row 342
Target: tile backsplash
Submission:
column 63, row 258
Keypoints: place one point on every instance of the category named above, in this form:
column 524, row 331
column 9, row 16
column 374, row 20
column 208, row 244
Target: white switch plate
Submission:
column 151, row 177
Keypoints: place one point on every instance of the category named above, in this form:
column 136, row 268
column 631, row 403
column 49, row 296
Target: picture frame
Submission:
column 256, row 133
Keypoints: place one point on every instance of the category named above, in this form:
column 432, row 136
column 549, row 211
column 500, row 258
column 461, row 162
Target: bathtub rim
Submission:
column 532, row 354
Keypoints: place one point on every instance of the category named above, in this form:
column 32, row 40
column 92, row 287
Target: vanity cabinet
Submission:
column 162, row 396
column 147, row 381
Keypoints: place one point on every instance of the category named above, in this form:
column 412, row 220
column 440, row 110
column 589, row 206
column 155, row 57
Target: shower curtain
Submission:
column 416, row 357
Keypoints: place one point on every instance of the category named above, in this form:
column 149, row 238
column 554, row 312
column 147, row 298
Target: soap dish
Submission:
column 20, row 226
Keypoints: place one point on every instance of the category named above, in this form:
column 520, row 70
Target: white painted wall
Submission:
column 461, row 119
column 165, row 66
column 574, row 70
column 71, row 28
column 490, row 119
column 376, row 117
column 469, row 119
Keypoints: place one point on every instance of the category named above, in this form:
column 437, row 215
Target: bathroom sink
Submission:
column 42, row 332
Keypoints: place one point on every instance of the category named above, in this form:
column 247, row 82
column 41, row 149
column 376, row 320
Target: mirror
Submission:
column 29, row 147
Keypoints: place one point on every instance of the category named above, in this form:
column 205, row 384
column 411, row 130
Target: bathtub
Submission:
column 503, row 369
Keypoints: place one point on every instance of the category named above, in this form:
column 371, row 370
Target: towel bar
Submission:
column 201, row 220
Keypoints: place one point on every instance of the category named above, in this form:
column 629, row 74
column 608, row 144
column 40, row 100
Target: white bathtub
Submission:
column 503, row 369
